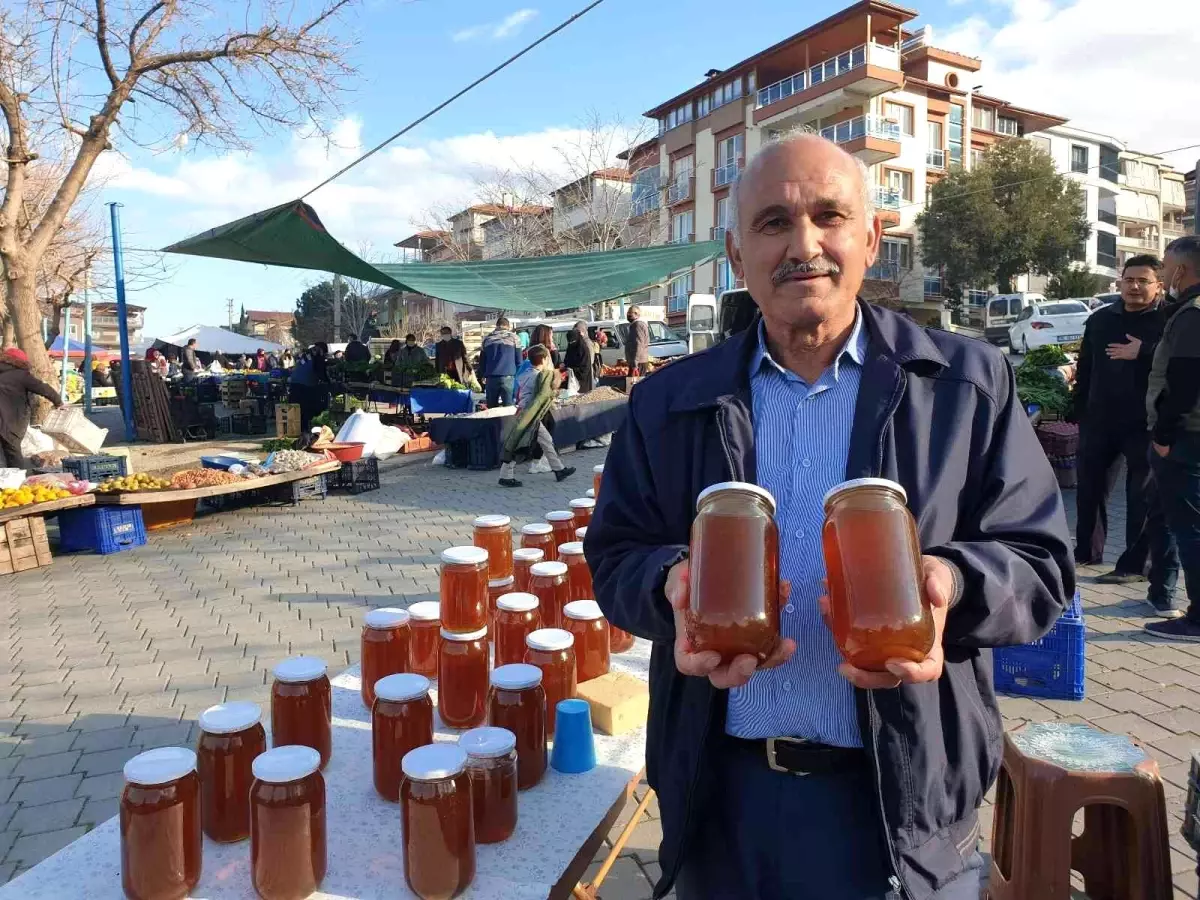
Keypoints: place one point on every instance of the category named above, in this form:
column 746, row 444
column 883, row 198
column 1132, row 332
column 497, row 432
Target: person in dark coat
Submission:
column 189, row 362
column 16, row 385
column 637, row 345
column 450, row 356
column 389, row 356
column 825, row 387
column 580, row 357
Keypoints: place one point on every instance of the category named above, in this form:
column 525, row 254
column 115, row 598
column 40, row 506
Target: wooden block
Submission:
column 619, row 702
column 41, row 543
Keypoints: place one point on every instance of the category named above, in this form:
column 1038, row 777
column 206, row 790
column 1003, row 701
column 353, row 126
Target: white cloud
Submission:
column 507, row 27
column 1094, row 61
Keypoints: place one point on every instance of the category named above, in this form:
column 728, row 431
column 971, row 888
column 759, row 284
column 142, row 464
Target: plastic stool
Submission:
column 1049, row 772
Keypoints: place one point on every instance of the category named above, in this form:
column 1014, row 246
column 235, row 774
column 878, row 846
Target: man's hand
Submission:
column 1160, row 449
column 707, row 664
column 1124, row 351
column 939, row 587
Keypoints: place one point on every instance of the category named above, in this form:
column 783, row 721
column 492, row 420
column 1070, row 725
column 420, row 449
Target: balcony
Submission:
column 1107, row 217
column 872, row 138
column 723, row 175
column 864, row 71
column 681, row 239
column 644, row 204
column 884, row 270
column 677, row 303
column 716, row 233
column 681, row 189
column 935, row 159
column 887, row 205
column 933, row 286
column 1139, row 242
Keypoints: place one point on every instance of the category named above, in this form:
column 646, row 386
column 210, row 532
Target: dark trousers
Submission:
column 776, row 836
column 1099, row 449
column 313, row 401
column 10, row 452
column 1178, row 479
column 499, row 391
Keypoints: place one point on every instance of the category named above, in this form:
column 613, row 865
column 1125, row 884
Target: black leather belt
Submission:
column 796, row 756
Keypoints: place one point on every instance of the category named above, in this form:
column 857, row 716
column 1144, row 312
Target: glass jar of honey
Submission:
column 581, row 533
column 437, row 825
column 584, row 620
column 597, row 474
column 386, row 648
column 464, row 588
column 463, row 678
column 583, row 509
column 401, row 720
column 492, row 769
column 562, row 526
column 579, row 576
column 425, row 624
column 619, row 641
column 497, row 588
column 287, row 823
column 540, row 536
column 517, row 702
column 877, row 603
column 525, row 559
column 494, row 534
column 548, row 582
column 302, row 706
column 231, row 736
column 161, row 840
column 553, row 651
column 517, row 617
column 734, row 603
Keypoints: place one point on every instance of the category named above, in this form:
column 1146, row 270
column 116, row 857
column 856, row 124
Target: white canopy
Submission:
column 210, row 339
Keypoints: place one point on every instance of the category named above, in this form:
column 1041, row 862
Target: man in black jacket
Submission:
column 822, row 388
column 1110, row 406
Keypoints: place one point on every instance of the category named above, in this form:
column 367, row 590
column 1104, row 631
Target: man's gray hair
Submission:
column 791, row 136
column 1188, row 247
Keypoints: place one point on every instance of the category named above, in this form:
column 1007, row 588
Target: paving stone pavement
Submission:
column 110, row 655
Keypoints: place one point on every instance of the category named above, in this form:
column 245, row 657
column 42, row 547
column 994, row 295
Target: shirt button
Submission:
column 799, row 532
column 789, row 608
column 807, row 463
column 787, row 685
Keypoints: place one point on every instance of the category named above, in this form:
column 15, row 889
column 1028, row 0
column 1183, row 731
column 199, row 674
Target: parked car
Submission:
column 1102, row 300
column 1048, row 322
column 1002, row 311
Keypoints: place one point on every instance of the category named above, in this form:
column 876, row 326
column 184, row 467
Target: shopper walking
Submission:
column 501, row 356
column 17, row 383
column 538, row 389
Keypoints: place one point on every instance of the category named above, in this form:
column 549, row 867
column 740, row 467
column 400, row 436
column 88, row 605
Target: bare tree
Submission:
column 208, row 71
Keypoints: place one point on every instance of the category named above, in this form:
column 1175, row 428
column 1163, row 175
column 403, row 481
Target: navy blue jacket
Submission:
column 500, row 354
column 936, row 412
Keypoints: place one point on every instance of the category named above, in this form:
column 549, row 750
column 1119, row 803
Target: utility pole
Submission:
column 122, row 323
column 229, row 307
column 87, row 341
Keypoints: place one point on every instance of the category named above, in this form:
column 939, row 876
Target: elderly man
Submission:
column 822, row 388
column 637, row 345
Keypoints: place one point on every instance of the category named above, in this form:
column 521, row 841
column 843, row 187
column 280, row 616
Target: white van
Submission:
column 1002, row 311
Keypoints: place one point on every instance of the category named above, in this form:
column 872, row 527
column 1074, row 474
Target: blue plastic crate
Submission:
column 104, row 529
column 95, row 468
column 1051, row 668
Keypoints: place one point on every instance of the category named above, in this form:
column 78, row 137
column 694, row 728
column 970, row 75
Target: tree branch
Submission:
column 102, row 43
column 137, row 26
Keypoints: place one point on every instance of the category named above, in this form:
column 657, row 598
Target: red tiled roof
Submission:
column 269, row 315
column 613, row 174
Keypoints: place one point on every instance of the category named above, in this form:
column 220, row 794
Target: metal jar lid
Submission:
column 743, row 487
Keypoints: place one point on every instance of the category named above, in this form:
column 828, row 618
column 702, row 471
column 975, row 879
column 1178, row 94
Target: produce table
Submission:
column 439, row 400
column 561, row 824
column 140, row 498
column 45, row 509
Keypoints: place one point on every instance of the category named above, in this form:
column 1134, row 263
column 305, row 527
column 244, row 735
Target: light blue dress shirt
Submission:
column 802, row 439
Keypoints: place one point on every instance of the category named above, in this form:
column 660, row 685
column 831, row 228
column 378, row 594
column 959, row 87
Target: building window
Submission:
column 902, row 114
column 976, row 157
column 1106, row 249
column 683, row 227
column 1079, row 159
column 1110, row 166
column 897, row 251
column 1008, row 126
column 1041, row 142
column 934, row 134
column 900, row 181
column 678, row 116
column 727, row 93
column 681, row 167
column 703, row 106
column 983, row 117
column 722, row 217
column 645, row 191
column 678, row 292
column 933, row 281
column 975, row 297
column 955, row 142
column 725, row 279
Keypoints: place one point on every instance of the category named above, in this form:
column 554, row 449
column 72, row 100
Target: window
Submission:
column 976, row 157
column 1079, row 159
column 725, row 279
column 983, row 117
column 934, row 134
column 678, row 116
column 900, row 181
column 897, row 251
column 1008, row 126
column 1026, row 313
column 727, row 93
column 678, row 291
column 1106, row 249
column 722, row 214
column 681, row 167
column 1041, row 142
column 703, row 106
column 731, row 150
column 898, row 112
column 955, row 144
column 645, row 191
column 933, row 281
column 975, row 297
column 683, row 227
column 1110, row 166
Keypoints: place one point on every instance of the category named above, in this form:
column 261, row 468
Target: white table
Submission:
column 556, row 820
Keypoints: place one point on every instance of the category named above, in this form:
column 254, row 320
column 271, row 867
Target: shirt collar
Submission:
column 854, row 349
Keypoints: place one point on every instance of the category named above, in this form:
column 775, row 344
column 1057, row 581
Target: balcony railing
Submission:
column 886, row 197
column 677, row 303
column 723, row 175
column 862, row 126
column 681, row 188
column 1143, row 242
column 933, row 286
column 681, row 238
column 1108, row 218
column 645, row 203
column 884, row 270
column 935, row 159
column 716, row 233
column 876, row 54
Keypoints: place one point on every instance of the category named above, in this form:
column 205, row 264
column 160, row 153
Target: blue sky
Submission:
column 620, row 59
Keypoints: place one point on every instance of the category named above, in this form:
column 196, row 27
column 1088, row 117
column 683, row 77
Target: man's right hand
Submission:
column 707, row 663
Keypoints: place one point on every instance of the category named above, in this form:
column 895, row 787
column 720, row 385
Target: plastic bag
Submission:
column 439, row 458
column 391, row 440
column 11, row 479
column 36, row 441
column 570, row 385
column 362, row 428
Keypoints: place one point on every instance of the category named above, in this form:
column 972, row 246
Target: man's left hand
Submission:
column 1160, row 449
column 939, row 588
column 1125, row 351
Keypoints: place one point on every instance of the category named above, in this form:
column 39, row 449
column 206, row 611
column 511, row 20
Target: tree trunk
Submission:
column 8, row 332
column 27, row 321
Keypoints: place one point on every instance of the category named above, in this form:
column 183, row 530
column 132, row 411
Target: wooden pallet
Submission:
column 24, row 545
column 152, row 406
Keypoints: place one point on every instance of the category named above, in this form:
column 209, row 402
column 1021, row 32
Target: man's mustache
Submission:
column 822, row 265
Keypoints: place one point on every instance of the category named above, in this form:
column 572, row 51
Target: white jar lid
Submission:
column 597, row 470
column 487, row 742
column 581, row 533
column 536, row 528
column 402, row 686
column 434, row 761
column 530, row 554
column 584, row 610
column 465, row 635
column 517, row 602
column 227, row 718
column 591, row 492
column 583, row 503
column 866, row 482
column 426, row 611
column 386, row 617
column 493, row 522
column 464, row 556
column 160, row 766
column 551, row 569
column 281, row 765
column 743, row 486
column 494, row 583
column 574, row 548
column 299, row 669
column 516, row 676
column 549, row 639
column 560, row 515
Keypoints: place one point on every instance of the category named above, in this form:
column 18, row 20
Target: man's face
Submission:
column 632, row 317
column 1139, row 287
column 805, row 240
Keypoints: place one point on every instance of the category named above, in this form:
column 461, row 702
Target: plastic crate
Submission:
column 1052, row 668
column 458, row 454
column 293, row 492
column 95, row 468
column 73, row 429
column 104, row 529
column 356, row 477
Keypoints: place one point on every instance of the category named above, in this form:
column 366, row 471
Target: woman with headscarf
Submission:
column 16, row 384
column 581, row 357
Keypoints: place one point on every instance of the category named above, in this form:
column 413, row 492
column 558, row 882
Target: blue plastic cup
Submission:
column 574, row 748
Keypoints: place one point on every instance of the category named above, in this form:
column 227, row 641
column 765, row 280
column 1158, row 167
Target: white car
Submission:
column 1048, row 322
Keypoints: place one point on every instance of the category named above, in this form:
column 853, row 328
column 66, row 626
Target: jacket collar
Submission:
column 726, row 374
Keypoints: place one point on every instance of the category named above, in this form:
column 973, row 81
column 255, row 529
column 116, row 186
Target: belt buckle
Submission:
column 772, row 762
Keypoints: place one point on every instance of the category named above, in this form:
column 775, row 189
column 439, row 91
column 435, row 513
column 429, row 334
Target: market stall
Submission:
column 48, row 508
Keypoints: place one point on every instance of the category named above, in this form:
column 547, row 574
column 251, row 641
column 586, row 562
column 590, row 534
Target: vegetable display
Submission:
column 270, row 446
column 137, row 482
column 189, row 479
column 292, row 460
column 1037, row 386
column 1046, row 357
column 441, row 381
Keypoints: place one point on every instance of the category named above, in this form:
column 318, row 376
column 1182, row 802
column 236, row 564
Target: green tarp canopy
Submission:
column 292, row 235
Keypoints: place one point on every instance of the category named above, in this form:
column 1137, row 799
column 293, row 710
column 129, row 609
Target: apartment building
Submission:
column 273, row 325
column 105, row 329
column 517, row 232
column 1189, row 199
column 432, row 245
